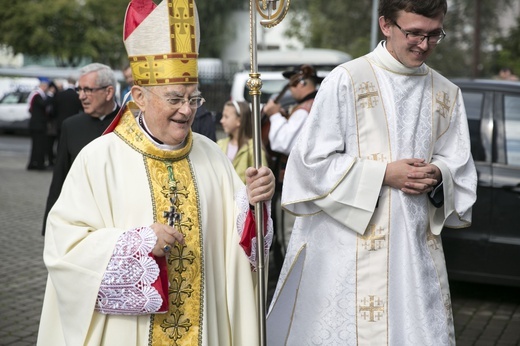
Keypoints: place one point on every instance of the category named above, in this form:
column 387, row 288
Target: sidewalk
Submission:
column 484, row 315
column 23, row 275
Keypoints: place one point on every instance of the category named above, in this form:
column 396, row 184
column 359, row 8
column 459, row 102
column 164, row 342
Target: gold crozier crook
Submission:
column 272, row 12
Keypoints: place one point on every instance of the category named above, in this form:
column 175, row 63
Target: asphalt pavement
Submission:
column 484, row 315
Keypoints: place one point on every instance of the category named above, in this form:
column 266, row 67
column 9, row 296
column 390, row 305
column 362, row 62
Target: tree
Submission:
column 509, row 54
column 345, row 25
column 71, row 31
column 65, row 30
column 336, row 24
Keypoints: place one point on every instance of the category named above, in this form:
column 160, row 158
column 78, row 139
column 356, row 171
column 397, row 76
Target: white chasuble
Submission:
column 373, row 272
column 122, row 181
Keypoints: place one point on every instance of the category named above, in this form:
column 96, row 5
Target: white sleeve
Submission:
column 126, row 287
column 283, row 131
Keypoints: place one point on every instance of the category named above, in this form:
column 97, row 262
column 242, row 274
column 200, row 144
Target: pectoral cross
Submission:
column 172, row 215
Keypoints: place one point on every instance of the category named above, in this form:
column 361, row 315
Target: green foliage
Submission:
column 335, row 24
column 66, row 30
column 71, row 31
column 345, row 25
column 509, row 56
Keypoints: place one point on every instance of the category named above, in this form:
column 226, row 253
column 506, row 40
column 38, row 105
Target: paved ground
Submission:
column 484, row 315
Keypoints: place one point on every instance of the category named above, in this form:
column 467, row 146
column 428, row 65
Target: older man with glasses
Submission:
column 382, row 164
column 96, row 90
column 152, row 240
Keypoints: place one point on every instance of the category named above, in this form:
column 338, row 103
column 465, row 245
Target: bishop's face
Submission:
column 403, row 48
column 167, row 111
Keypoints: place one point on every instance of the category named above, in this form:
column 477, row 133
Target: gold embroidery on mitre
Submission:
column 374, row 238
column 164, row 69
column 179, row 66
column 442, row 101
column 371, row 309
column 182, row 27
column 368, row 96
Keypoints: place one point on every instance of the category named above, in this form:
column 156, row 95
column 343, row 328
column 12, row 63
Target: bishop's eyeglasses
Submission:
column 417, row 38
column 177, row 102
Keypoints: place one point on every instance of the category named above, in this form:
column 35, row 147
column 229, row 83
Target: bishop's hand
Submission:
column 260, row 184
column 167, row 236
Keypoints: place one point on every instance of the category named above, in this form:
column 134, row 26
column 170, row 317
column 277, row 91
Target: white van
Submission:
column 272, row 83
column 272, row 63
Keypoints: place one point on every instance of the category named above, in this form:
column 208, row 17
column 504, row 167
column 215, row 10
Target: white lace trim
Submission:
column 243, row 207
column 126, row 286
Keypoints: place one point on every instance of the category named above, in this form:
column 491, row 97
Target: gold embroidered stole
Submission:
column 372, row 246
column 372, row 253
column 167, row 170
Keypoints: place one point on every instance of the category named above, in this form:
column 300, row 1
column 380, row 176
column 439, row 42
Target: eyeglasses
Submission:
column 194, row 102
column 89, row 91
column 417, row 38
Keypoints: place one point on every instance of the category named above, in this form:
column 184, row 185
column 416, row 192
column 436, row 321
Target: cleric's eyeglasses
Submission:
column 177, row 102
column 417, row 38
column 88, row 91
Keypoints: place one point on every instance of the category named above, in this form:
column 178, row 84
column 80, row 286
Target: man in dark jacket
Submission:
column 38, row 105
column 96, row 90
column 66, row 103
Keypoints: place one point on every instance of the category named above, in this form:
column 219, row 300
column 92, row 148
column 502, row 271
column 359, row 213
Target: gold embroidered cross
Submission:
column 180, row 257
column 178, row 289
column 373, row 310
column 367, row 95
column 377, row 157
column 182, row 20
column 374, row 239
column 150, row 69
column 432, row 240
column 176, row 325
column 443, row 103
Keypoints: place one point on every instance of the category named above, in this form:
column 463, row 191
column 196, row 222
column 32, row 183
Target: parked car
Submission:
column 489, row 250
column 14, row 112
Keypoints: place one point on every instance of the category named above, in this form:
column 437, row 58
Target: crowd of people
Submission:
column 150, row 223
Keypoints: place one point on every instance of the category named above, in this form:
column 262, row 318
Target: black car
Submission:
column 489, row 250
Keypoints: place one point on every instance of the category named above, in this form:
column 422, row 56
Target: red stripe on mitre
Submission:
column 136, row 12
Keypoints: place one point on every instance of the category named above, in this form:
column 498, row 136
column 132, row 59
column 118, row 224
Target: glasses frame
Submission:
column 88, row 91
column 441, row 36
column 174, row 101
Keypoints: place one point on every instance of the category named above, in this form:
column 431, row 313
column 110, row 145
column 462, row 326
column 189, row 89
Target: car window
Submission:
column 11, row 98
column 512, row 128
column 473, row 102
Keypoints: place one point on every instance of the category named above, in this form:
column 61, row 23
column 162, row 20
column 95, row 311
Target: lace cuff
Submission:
column 126, row 287
column 246, row 227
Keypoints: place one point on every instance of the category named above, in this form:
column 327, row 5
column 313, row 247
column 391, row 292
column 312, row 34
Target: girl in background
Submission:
column 238, row 145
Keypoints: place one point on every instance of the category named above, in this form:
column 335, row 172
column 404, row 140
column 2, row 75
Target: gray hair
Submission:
column 105, row 75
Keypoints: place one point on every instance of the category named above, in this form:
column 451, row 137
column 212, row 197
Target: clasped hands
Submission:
column 259, row 186
column 412, row 176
